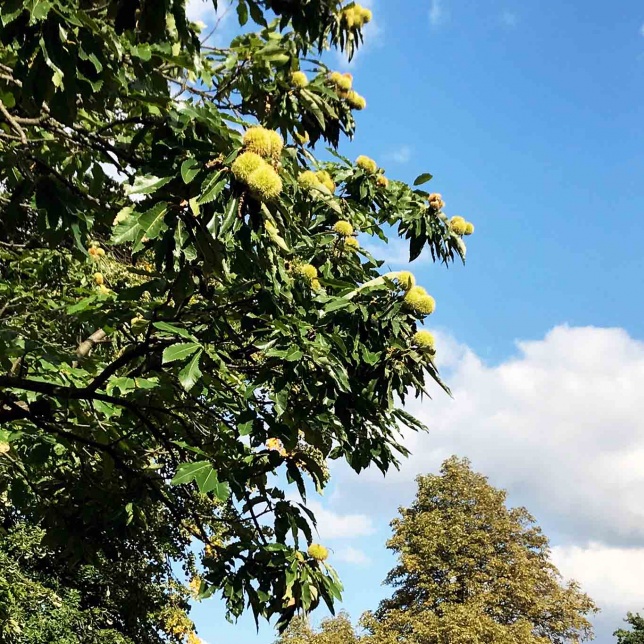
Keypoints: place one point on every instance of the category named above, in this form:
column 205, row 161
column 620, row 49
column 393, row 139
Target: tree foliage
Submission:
column 41, row 602
column 472, row 570
column 635, row 634
column 182, row 316
column 332, row 630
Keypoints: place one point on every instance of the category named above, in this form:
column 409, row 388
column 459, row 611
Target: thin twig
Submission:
column 11, row 79
column 14, row 124
column 219, row 19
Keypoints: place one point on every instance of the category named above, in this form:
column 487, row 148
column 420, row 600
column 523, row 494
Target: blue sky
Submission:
column 529, row 115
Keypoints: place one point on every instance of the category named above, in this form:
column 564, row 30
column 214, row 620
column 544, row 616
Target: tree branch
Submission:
column 121, row 361
column 10, row 410
column 14, row 124
column 87, row 345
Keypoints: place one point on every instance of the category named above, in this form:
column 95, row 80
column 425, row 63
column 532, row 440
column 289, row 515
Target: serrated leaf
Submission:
column 293, row 354
column 174, row 330
column 127, row 229
column 337, row 303
column 229, row 219
column 146, row 185
column 211, row 187
column 189, row 170
column 179, row 351
column 141, row 51
column 203, row 473
column 10, row 10
column 152, row 221
column 39, row 9
column 187, row 472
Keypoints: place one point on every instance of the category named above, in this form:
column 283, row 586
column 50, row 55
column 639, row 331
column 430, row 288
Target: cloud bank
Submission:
column 561, row 426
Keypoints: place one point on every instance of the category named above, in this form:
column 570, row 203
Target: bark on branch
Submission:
column 87, row 345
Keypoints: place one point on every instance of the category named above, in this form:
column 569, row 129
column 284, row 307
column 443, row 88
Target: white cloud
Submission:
column 561, row 426
column 216, row 21
column 394, row 254
column 437, row 13
column 351, row 555
column 332, row 525
column 611, row 576
column 401, row 155
column 204, row 11
column 509, row 19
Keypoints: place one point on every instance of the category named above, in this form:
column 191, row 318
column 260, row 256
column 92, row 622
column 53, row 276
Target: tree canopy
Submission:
column 189, row 323
column 635, row 634
column 332, row 630
column 472, row 570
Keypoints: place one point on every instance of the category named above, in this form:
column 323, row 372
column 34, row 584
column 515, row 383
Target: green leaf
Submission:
column 146, row 383
column 203, row 473
column 242, row 12
column 245, row 428
column 122, row 384
column 152, row 221
column 83, row 305
column 142, row 51
column 293, row 354
column 187, row 472
column 229, row 219
column 191, row 373
column 194, row 206
column 7, row 98
column 308, row 99
column 189, row 170
column 38, row 9
column 422, row 178
column 10, row 10
column 127, row 229
column 339, row 374
column 337, row 303
column 211, row 187
column 207, row 479
column 256, row 14
column 146, row 185
column 179, row 351
column 173, row 330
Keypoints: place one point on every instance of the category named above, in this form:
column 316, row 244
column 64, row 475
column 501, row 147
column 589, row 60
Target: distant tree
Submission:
column 635, row 636
column 40, row 602
column 470, row 570
column 334, row 630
